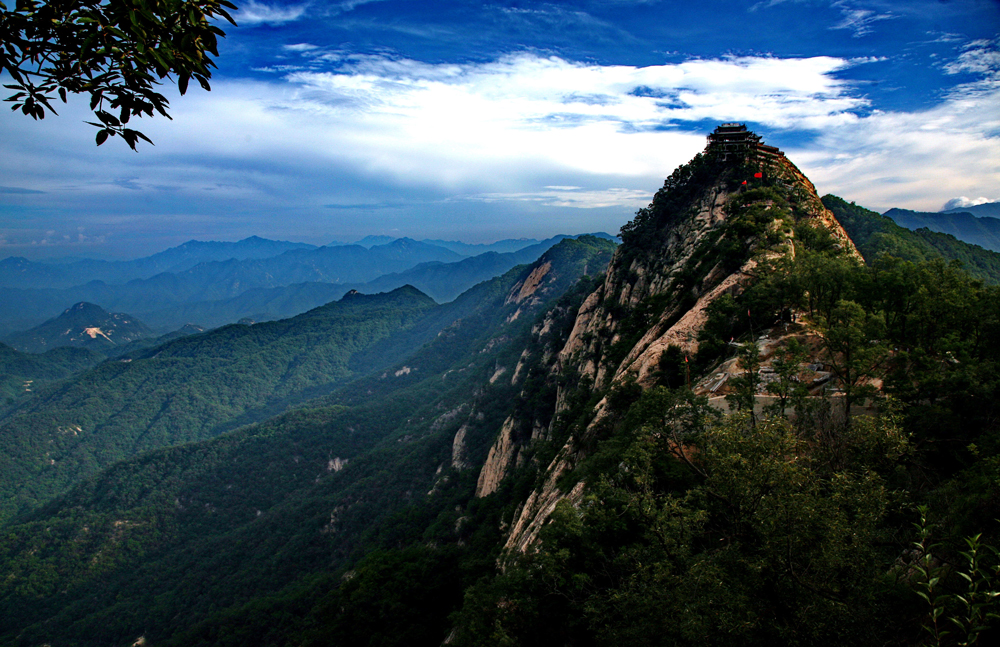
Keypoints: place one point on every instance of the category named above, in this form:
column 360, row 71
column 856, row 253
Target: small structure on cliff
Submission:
column 735, row 139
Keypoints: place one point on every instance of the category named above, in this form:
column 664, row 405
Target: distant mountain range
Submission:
column 987, row 210
column 466, row 249
column 22, row 308
column 19, row 272
column 214, row 292
column 441, row 281
column 198, row 386
column 969, row 224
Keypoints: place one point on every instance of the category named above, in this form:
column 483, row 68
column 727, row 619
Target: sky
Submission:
column 329, row 121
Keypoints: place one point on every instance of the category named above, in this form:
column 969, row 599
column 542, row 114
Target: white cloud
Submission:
column 351, row 5
column 914, row 160
column 574, row 115
column 855, row 14
column 978, row 57
column 532, row 132
column 572, row 197
column 860, row 21
column 258, row 13
column 962, row 202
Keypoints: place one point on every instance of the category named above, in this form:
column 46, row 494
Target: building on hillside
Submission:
column 734, row 139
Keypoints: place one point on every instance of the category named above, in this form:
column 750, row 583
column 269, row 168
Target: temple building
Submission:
column 735, row 139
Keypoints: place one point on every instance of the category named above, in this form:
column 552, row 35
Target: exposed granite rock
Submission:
column 633, row 279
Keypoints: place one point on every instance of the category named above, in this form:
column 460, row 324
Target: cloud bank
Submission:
column 523, row 144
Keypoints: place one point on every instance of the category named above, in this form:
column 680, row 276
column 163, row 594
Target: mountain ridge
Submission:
column 962, row 224
column 219, row 292
column 984, row 210
column 22, row 273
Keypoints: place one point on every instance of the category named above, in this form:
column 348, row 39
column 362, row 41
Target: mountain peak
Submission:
column 736, row 205
column 84, row 307
column 83, row 324
column 372, row 241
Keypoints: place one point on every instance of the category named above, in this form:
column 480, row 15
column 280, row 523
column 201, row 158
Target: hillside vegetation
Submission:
column 21, row 374
column 874, row 234
column 281, row 506
column 983, row 231
column 187, row 390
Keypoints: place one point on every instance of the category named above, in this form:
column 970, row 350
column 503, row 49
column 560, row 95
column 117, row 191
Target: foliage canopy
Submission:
column 116, row 51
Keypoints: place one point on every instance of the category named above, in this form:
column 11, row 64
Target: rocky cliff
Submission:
column 705, row 231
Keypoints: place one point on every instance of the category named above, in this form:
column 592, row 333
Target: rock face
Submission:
column 655, row 295
column 500, row 459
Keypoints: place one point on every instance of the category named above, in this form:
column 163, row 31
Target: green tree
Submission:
column 855, row 349
column 786, row 387
column 115, row 51
column 745, row 386
column 771, row 544
column 971, row 608
column 826, row 280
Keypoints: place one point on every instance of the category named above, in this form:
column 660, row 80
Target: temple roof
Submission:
column 735, row 138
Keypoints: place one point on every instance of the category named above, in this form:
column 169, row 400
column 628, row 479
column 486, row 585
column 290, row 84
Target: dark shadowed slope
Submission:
column 189, row 389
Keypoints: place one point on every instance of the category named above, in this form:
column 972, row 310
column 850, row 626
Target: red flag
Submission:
column 758, row 175
column 744, row 181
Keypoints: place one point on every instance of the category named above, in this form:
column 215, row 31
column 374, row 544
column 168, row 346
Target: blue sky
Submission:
column 479, row 121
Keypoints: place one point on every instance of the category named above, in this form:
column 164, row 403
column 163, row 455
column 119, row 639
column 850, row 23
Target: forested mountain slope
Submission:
column 189, row 535
column 875, row 234
column 189, row 389
column 21, row 374
column 983, row 231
